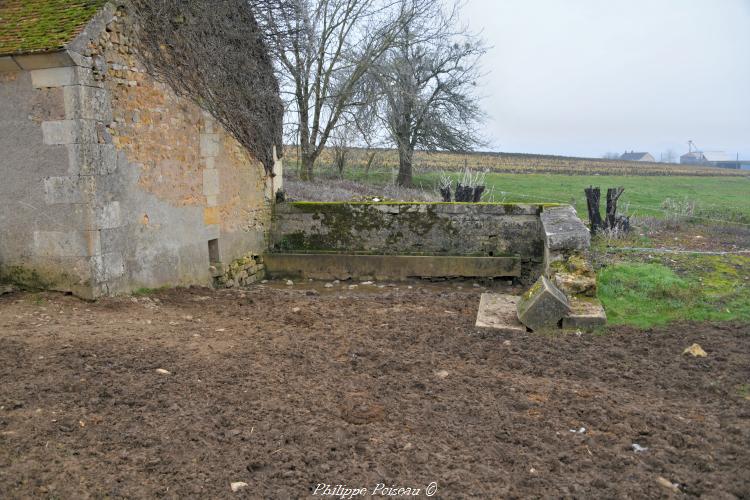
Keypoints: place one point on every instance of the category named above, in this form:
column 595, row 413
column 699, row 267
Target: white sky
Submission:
column 583, row 77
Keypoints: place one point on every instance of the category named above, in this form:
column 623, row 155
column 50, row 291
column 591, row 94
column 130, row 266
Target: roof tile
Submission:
column 42, row 25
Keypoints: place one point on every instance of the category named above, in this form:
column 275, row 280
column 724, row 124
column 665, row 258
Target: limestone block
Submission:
column 209, row 144
column 53, row 77
column 585, row 314
column 211, row 231
column 563, row 230
column 211, row 182
column 108, row 215
column 498, row 312
column 114, row 266
column 69, row 131
column 91, row 159
column 66, row 243
column 91, row 103
column 71, row 189
column 543, row 306
column 44, row 60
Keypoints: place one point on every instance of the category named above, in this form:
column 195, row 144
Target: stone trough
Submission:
column 545, row 244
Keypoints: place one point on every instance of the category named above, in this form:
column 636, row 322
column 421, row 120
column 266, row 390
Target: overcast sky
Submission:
column 584, row 77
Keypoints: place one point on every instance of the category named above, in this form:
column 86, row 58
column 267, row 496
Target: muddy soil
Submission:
column 358, row 387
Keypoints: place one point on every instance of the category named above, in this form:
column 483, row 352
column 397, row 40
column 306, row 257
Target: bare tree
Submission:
column 668, row 156
column 425, row 86
column 324, row 49
column 340, row 142
column 611, row 156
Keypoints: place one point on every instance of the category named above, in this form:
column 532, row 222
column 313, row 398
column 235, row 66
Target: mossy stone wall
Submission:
column 466, row 229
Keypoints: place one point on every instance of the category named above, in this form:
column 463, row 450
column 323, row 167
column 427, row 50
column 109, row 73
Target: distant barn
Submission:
column 711, row 158
column 633, row 156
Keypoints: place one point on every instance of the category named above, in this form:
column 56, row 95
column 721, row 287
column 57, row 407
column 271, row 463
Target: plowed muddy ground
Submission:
column 284, row 388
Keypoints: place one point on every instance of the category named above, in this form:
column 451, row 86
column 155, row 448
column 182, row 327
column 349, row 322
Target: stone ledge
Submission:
column 563, row 230
column 346, row 266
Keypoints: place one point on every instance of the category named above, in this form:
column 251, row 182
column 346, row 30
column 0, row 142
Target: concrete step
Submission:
column 345, row 266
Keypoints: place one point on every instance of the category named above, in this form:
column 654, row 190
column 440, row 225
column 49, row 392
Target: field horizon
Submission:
column 505, row 162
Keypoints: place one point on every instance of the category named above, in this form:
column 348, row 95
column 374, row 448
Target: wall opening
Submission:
column 213, row 251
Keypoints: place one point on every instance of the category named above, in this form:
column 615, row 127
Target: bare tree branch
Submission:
column 324, row 51
column 422, row 89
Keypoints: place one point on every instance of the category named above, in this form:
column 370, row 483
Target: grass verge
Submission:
column 687, row 287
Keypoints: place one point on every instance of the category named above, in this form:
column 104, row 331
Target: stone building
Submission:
column 110, row 182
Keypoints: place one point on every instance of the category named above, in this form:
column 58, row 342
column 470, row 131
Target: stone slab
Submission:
column 543, row 306
column 585, row 314
column 345, row 266
column 563, row 230
column 8, row 64
column 7, row 289
column 497, row 312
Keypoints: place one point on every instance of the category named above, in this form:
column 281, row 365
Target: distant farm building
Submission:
column 633, row 156
column 711, row 158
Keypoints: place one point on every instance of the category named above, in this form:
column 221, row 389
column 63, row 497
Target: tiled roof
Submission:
column 42, row 25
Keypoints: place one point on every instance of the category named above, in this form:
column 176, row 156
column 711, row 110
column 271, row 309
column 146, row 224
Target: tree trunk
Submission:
column 593, row 195
column 405, row 158
column 613, row 194
column 308, row 161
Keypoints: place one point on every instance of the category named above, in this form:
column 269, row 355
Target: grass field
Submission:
column 710, row 198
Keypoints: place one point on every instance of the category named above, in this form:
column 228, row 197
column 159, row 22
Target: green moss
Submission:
column 30, row 279
column 42, row 25
column 531, row 291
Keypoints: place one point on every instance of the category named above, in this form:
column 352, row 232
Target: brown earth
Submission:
column 358, row 387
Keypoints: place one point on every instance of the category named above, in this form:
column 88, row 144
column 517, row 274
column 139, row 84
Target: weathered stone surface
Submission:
column 575, row 284
column 498, row 312
column 8, row 64
column 542, row 306
column 346, row 266
column 7, row 289
column 585, row 314
column 53, row 77
column 490, row 230
column 72, row 189
column 563, row 230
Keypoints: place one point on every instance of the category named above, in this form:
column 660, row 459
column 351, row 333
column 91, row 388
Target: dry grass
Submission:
column 326, row 188
column 517, row 163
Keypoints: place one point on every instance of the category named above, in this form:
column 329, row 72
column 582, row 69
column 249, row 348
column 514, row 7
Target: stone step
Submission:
column 498, row 312
column 355, row 266
column 586, row 314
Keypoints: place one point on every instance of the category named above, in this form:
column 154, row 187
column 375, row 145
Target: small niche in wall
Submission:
column 213, row 251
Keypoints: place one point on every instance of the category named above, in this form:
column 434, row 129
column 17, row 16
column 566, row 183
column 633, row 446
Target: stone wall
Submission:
column 111, row 181
column 456, row 229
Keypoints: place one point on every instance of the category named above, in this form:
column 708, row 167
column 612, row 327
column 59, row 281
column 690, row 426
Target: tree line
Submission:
column 397, row 73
